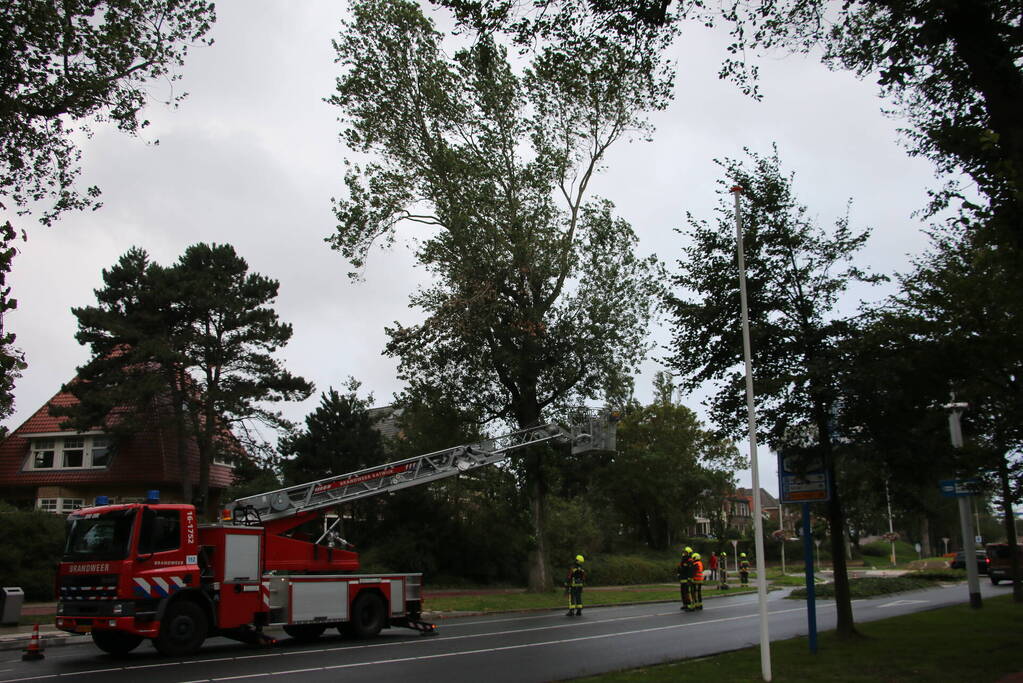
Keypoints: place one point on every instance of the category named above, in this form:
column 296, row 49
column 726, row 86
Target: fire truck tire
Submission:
column 367, row 618
column 182, row 630
column 117, row 643
column 305, row 632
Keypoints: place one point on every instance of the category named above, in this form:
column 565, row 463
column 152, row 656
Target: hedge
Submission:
column 31, row 543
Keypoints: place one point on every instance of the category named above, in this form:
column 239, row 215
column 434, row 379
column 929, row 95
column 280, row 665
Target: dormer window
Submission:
column 73, row 453
column 78, row 452
column 42, row 454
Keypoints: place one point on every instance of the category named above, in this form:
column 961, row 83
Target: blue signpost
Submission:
column 805, row 483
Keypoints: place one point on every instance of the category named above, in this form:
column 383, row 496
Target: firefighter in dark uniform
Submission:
column 685, row 577
column 574, row 583
column 723, row 571
column 696, row 584
column 743, row 569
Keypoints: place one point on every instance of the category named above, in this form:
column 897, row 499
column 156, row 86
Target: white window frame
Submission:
column 69, row 442
column 59, row 506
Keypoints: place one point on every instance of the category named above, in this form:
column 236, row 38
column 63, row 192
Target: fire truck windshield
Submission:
column 99, row 537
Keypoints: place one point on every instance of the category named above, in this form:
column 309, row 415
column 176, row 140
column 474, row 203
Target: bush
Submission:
column 623, row 570
column 940, row 575
column 31, row 543
column 866, row 588
column 877, row 549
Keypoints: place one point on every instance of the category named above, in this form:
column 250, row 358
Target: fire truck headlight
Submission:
column 60, row 608
column 118, row 608
column 112, row 622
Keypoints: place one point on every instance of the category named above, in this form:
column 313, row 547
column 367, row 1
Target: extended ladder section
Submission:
column 422, row 469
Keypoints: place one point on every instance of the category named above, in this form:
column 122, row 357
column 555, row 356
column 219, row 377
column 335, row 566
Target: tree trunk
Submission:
column 925, row 536
column 539, row 577
column 1010, row 528
column 844, row 627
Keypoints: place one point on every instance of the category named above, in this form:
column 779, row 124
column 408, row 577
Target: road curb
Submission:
column 453, row 615
column 47, row 639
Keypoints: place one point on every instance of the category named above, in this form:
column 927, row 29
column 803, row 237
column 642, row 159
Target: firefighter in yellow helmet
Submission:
column 743, row 569
column 684, row 569
column 696, row 585
column 723, row 571
column 574, row 584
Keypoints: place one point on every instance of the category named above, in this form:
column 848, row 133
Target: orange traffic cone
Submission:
column 34, row 650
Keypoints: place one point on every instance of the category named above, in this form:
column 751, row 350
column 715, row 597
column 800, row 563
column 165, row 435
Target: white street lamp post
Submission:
column 758, row 521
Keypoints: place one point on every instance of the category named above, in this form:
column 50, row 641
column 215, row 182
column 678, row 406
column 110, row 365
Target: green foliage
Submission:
column 467, row 529
column 572, row 530
column 624, row 570
column 936, row 60
column 940, row 575
column 796, row 274
column 194, row 341
column 31, row 543
column 68, row 62
column 537, row 298
column 339, row 437
column 664, row 457
column 867, row 588
column 12, row 359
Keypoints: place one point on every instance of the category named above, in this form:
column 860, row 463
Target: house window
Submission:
column 74, row 452
column 100, row 452
column 42, row 454
column 70, row 453
column 64, row 506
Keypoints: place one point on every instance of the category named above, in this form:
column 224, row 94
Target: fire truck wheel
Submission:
column 305, row 632
column 182, row 630
column 117, row 643
column 368, row 614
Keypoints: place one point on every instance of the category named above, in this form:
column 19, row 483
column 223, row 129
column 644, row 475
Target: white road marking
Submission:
column 899, row 603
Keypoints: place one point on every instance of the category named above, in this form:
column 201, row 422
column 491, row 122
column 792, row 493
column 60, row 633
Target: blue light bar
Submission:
column 102, row 500
column 152, row 496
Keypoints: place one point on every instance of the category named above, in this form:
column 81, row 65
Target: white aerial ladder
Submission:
column 595, row 431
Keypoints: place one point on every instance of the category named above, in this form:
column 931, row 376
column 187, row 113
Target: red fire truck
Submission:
column 151, row 570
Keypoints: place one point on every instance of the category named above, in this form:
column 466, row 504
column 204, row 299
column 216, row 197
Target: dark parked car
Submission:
column 1000, row 568
column 960, row 561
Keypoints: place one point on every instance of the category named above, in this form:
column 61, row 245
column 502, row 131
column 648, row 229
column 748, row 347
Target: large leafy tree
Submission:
column 63, row 67
column 199, row 335
column 796, row 274
column 537, row 297
column 952, row 68
column 137, row 372
column 967, row 341
column 65, row 64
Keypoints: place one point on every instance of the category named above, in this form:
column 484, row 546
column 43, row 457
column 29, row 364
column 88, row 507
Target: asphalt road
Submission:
column 510, row 647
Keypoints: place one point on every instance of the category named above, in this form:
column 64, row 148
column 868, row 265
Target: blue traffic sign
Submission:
column 802, row 482
column 956, row 488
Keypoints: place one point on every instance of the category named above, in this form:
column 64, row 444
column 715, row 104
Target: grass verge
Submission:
column 949, row 644
column 510, row 602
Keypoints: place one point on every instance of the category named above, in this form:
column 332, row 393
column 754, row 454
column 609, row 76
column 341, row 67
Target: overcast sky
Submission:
column 252, row 158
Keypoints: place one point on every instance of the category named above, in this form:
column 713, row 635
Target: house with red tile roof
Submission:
column 46, row 466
